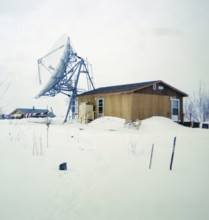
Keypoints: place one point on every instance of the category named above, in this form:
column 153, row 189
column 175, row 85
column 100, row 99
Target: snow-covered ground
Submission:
column 108, row 176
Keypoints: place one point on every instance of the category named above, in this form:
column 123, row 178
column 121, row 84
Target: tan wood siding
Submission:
column 135, row 105
column 118, row 105
column 114, row 105
column 146, row 105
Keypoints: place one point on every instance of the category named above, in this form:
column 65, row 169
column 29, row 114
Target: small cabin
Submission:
column 135, row 101
column 31, row 113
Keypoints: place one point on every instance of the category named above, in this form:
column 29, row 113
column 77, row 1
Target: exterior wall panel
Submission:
column 146, row 105
column 114, row 105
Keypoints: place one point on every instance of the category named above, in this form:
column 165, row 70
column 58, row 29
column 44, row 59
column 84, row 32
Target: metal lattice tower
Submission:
column 65, row 76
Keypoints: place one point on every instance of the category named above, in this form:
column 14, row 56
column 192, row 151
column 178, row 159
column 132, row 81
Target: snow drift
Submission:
column 108, row 175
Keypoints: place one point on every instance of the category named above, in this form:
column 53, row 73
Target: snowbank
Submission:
column 154, row 124
column 160, row 125
column 108, row 123
column 108, row 174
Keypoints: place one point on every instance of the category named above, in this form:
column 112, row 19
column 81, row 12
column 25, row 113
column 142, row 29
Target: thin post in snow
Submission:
column 47, row 128
column 35, row 151
column 41, row 146
column 152, row 150
column 173, row 152
column 47, row 135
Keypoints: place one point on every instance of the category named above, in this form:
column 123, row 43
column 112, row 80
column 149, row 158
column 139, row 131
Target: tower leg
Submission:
column 72, row 100
column 68, row 111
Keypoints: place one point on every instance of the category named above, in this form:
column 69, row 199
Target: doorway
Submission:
column 175, row 109
column 100, row 107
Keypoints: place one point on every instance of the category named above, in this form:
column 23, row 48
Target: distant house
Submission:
column 31, row 113
column 135, row 101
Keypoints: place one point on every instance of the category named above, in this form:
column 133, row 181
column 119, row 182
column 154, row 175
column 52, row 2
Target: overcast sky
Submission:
column 126, row 41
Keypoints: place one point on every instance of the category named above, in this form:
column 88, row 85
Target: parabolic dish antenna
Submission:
column 65, row 68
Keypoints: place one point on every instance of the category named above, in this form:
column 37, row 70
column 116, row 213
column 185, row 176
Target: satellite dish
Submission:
column 66, row 68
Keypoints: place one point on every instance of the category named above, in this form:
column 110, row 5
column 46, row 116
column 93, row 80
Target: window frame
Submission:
column 175, row 109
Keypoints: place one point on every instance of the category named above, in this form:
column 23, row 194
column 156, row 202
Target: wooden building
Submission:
column 136, row 101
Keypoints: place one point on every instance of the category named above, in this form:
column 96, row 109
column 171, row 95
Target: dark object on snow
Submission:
column 204, row 125
column 63, row 166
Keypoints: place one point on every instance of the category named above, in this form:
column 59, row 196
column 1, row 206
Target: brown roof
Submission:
column 128, row 88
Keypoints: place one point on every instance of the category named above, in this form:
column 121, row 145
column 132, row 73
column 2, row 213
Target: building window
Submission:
column 154, row 87
column 160, row 87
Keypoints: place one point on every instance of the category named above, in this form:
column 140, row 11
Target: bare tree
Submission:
column 198, row 104
column 4, row 86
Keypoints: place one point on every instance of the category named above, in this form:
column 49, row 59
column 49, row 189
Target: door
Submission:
column 100, row 107
column 175, row 109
